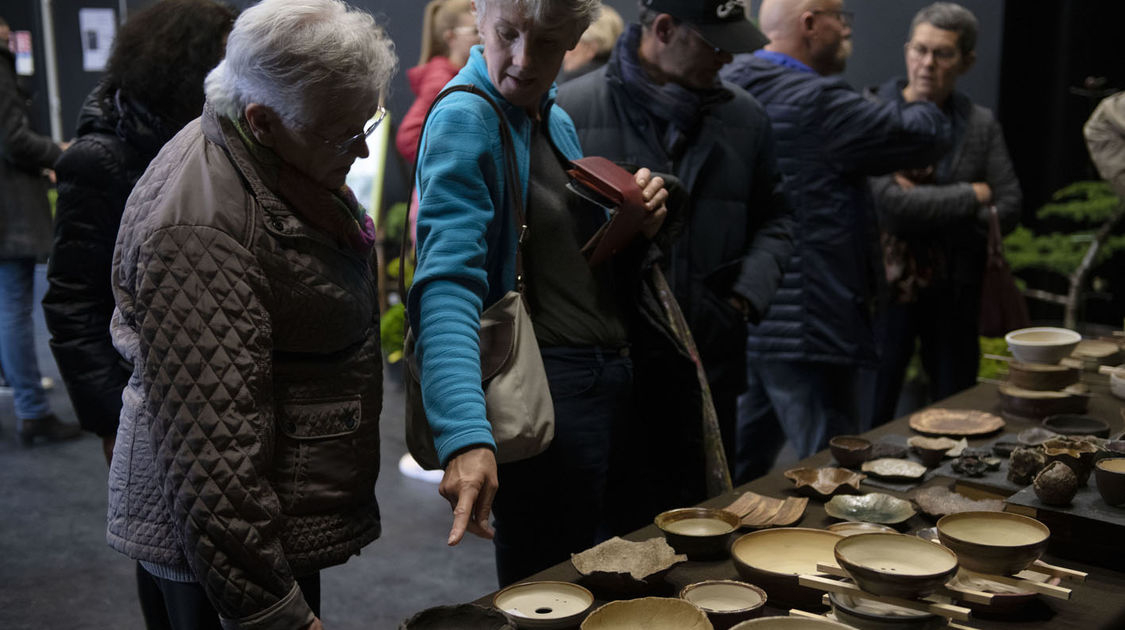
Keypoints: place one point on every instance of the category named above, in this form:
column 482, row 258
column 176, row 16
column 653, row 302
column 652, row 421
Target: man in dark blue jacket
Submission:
column 803, row 359
column 659, row 102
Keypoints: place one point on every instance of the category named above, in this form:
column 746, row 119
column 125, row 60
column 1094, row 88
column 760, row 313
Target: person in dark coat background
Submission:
column 659, row 101
column 152, row 88
column 935, row 221
column 25, row 236
column 804, row 358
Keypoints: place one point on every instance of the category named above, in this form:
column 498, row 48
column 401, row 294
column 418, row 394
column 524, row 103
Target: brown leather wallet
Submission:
column 617, row 186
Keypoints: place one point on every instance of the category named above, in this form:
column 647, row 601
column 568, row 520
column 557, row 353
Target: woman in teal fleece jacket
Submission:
column 466, row 261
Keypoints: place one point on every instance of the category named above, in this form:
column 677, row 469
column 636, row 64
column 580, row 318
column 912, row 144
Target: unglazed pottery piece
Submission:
column 1074, row 451
column 1035, row 436
column 823, row 483
column 850, row 450
column 931, row 450
column 997, row 543
column 1056, row 484
column 888, row 468
column 648, row 613
column 955, row 422
column 544, row 604
column 698, row 532
column 895, row 564
column 726, row 602
column 1042, row 377
column 874, row 507
column 774, row 558
column 1042, row 344
column 1024, row 464
column 758, row 511
column 937, row 501
column 624, row 566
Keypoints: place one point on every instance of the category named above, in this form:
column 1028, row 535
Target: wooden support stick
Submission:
column 1049, row 590
column 834, row 586
column 1060, row 572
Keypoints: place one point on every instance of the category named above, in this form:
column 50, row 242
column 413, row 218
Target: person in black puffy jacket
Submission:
column 152, row 88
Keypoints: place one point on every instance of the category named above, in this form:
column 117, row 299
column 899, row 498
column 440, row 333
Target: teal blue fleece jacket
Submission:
column 467, row 245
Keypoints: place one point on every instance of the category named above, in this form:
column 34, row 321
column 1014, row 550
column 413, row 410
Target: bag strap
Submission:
column 995, row 238
column 515, row 195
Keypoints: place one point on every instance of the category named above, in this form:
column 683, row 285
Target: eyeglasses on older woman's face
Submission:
column 344, row 147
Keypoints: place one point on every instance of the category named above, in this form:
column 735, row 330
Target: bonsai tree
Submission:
column 1090, row 211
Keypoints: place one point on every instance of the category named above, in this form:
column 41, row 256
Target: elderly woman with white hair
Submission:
column 558, row 502
column 245, row 282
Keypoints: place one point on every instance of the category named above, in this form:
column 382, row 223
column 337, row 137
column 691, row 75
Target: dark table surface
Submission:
column 1097, row 603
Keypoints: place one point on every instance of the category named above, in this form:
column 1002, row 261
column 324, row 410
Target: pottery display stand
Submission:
column 794, row 612
column 1025, row 580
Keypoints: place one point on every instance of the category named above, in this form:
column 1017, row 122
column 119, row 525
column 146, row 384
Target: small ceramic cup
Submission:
column 1109, row 473
column 850, row 450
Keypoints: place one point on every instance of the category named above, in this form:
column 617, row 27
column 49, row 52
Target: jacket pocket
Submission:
column 317, row 458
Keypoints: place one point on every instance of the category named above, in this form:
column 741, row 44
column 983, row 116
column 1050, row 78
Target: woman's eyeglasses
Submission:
column 345, row 147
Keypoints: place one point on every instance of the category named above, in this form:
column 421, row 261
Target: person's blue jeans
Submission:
column 559, row 502
column 17, row 337
column 804, row 402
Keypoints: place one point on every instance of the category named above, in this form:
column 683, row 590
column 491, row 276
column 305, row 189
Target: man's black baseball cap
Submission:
column 723, row 23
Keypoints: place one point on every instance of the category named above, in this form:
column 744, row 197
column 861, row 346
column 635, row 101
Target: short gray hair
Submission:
column 950, row 17
column 287, row 54
column 581, row 12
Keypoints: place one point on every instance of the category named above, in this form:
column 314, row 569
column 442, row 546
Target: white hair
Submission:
column 295, row 55
column 582, row 13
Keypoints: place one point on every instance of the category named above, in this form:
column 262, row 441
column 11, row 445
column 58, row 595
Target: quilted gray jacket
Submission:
column 249, row 441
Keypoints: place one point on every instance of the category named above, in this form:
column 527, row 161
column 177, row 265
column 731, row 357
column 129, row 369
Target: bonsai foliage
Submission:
column 392, row 322
column 1089, row 211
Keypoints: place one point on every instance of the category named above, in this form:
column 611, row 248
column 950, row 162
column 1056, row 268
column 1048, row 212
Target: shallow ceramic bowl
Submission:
column 996, row 543
column 774, row 558
column 1042, row 344
column 871, row 615
column 624, row 567
column 1035, row 436
column 726, row 602
column 850, row 450
column 851, row 528
column 822, row 483
column 1076, row 424
column 874, row 507
column 1109, row 473
column 895, row 564
column 459, row 617
column 648, row 613
column 698, row 532
column 791, row 623
column 544, row 604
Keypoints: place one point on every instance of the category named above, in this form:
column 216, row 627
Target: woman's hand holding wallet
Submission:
column 638, row 200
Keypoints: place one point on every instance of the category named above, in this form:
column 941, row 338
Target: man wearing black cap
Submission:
column 803, row 359
column 659, row 102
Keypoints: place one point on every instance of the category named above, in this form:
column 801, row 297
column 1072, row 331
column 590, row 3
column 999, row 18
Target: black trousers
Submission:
column 168, row 605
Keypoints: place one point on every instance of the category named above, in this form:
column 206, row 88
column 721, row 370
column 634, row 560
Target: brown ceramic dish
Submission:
column 1076, row 452
column 759, row 511
column 1076, row 424
column 955, row 422
column 1109, row 473
column 823, row 483
column 931, row 450
column 459, row 617
column 791, row 623
column 850, row 450
column 872, row 615
column 698, row 532
column 774, row 558
column 725, row 602
column 895, row 564
column 647, row 613
column 995, row 543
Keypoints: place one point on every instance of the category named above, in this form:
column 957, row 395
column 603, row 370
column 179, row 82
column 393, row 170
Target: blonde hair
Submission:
column 440, row 17
column 603, row 33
